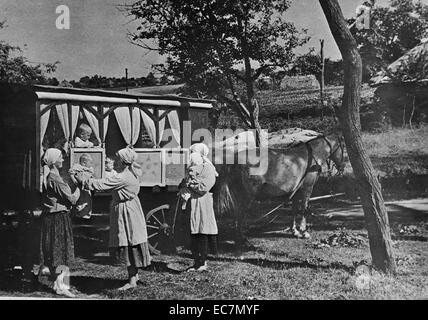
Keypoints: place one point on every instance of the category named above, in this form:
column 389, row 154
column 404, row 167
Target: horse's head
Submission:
column 337, row 152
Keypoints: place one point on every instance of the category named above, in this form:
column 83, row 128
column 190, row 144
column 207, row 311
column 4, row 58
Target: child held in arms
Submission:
column 83, row 171
column 82, row 139
column 191, row 174
column 109, row 165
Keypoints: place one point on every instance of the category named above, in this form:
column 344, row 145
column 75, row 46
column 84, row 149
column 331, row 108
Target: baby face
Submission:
column 84, row 135
column 195, row 159
column 86, row 162
column 109, row 165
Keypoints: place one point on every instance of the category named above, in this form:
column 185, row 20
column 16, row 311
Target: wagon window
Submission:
column 114, row 140
column 144, row 140
column 168, row 137
column 83, row 120
column 54, row 137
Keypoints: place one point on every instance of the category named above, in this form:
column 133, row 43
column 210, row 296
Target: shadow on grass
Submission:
column 319, row 264
column 93, row 285
column 14, row 282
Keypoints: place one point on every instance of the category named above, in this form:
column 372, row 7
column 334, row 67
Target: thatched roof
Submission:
column 411, row 67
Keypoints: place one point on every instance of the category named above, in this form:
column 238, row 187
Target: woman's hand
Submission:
column 73, row 178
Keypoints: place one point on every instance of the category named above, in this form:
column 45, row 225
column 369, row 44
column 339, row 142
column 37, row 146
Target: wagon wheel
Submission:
column 157, row 227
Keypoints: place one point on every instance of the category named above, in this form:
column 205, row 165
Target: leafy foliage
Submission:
column 310, row 64
column 393, row 31
column 97, row 81
column 206, row 41
column 15, row 68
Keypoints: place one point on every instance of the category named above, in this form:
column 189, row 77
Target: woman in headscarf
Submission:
column 203, row 226
column 128, row 231
column 56, row 242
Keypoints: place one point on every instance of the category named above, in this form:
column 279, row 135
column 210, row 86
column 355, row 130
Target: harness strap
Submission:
column 308, row 167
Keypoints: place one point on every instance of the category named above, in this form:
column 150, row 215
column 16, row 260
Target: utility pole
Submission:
column 322, row 84
column 126, row 79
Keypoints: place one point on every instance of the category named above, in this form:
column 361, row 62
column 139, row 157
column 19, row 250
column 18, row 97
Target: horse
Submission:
column 291, row 175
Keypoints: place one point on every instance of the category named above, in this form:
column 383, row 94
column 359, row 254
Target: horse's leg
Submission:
column 295, row 208
column 241, row 240
column 307, row 188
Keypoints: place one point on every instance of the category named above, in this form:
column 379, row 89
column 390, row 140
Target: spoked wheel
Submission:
column 157, row 227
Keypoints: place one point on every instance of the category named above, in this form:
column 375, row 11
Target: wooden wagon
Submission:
column 34, row 118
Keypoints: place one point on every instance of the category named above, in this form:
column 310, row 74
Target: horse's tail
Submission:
column 225, row 198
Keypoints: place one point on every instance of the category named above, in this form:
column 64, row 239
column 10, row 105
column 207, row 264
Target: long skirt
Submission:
column 132, row 256
column 56, row 241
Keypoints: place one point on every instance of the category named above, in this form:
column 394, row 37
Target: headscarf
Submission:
column 51, row 156
column 195, row 159
column 203, row 150
column 129, row 157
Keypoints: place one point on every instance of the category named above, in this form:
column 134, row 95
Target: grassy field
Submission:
column 279, row 267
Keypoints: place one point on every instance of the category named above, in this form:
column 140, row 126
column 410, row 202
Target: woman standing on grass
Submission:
column 203, row 226
column 56, row 242
column 128, row 231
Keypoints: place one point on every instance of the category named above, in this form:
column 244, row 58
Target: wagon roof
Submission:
column 98, row 95
column 411, row 67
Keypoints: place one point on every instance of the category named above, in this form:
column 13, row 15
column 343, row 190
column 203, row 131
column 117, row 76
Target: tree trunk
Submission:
column 413, row 112
column 375, row 213
column 251, row 105
column 322, row 82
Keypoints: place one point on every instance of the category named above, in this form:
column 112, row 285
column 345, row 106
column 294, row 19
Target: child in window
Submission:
column 84, row 170
column 109, row 164
column 82, row 139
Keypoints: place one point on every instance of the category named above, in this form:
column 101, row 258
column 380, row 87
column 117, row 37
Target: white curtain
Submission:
column 174, row 122
column 105, row 110
column 161, row 125
column 93, row 122
column 125, row 122
column 75, row 108
column 105, row 127
column 44, row 120
column 149, row 124
column 62, row 111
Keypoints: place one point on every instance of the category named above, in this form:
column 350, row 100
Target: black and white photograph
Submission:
column 213, row 150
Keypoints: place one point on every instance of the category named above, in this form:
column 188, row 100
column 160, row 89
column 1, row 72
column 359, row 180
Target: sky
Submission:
column 96, row 42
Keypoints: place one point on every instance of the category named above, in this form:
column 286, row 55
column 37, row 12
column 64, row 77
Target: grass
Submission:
column 397, row 142
column 399, row 152
column 279, row 267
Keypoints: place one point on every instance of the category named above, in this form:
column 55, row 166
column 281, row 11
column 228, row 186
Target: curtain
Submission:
column 125, row 122
column 75, row 108
column 44, row 120
column 174, row 122
column 105, row 110
column 161, row 125
column 105, row 127
column 62, row 111
column 149, row 124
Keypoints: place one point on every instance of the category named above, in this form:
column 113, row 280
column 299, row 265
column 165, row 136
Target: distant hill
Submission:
column 160, row 90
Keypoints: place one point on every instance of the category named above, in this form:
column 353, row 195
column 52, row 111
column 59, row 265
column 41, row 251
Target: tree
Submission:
column 151, row 79
column 164, row 80
column 368, row 185
column 15, row 68
column 310, row 64
column 393, row 31
column 206, row 42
